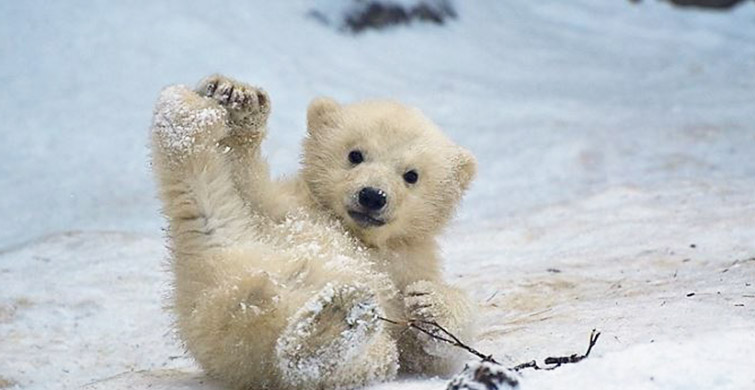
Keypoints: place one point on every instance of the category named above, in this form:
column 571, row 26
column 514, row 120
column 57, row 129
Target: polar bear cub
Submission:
column 282, row 284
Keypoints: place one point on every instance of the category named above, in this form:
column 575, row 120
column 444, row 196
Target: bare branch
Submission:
column 431, row 328
column 438, row 332
column 557, row 361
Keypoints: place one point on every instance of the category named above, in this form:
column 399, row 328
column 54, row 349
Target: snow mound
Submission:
column 81, row 307
column 715, row 360
column 171, row 379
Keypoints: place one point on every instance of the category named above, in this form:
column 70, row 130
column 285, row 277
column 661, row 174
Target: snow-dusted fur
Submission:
column 275, row 285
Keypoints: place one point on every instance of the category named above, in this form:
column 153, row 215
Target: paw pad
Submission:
column 333, row 326
column 242, row 100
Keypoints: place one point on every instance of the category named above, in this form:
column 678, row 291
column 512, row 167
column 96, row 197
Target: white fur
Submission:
column 275, row 285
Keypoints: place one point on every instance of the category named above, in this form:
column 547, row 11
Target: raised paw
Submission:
column 429, row 304
column 184, row 122
column 247, row 106
column 422, row 302
column 337, row 325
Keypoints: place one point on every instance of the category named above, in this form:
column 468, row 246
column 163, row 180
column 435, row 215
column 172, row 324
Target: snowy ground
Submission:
column 615, row 145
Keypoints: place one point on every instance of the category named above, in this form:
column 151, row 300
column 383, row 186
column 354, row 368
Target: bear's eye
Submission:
column 355, row 157
column 411, row 177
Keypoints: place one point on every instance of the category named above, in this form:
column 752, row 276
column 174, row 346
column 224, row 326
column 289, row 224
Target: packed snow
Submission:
column 615, row 145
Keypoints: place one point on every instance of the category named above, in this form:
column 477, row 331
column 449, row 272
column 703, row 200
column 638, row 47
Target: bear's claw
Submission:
column 247, row 106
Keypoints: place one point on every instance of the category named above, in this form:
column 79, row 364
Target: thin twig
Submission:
column 432, row 331
column 573, row 358
column 432, row 328
column 529, row 364
column 459, row 343
column 557, row 361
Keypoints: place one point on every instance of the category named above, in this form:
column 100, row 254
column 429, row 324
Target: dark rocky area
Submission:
column 376, row 14
column 715, row 4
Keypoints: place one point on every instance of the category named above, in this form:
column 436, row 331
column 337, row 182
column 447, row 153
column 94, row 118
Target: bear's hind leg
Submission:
column 231, row 330
column 337, row 340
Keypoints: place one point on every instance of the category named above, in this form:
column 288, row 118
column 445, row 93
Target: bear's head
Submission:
column 384, row 169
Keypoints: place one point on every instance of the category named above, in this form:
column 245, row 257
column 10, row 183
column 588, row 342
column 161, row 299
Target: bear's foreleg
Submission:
column 200, row 201
column 248, row 109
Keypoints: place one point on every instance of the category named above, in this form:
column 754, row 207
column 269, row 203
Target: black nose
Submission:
column 372, row 199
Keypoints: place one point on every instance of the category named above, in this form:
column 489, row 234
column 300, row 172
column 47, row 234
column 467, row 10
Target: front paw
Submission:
column 247, row 106
column 427, row 303
column 184, row 122
column 422, row 302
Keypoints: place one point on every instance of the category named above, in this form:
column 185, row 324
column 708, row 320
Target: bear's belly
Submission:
column 318, row 250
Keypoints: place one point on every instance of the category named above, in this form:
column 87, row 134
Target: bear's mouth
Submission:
column 365, row 220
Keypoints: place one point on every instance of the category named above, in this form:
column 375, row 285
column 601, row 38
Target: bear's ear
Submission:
column 466, row 168
column 322, row 113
